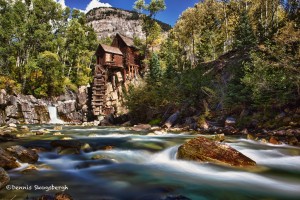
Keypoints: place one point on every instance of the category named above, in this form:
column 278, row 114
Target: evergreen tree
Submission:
column 150, row 27
column 41, row 29
column 244, row 35
column 154, row 69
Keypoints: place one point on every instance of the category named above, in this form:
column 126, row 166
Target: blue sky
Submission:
column 170, row 15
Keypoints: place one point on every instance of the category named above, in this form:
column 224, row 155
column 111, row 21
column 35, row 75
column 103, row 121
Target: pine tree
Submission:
column 154, row 69
column 244, row 35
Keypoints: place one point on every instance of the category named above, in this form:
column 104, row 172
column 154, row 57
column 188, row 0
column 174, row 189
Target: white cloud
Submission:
column 62, row 3
column 96, row 4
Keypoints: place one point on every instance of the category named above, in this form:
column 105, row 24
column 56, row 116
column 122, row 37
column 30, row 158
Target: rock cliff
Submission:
column 108, row 22
column 26, row 109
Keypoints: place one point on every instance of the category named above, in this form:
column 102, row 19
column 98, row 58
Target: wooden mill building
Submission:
column 116, row 64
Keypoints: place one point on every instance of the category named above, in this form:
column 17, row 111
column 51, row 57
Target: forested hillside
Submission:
column 221, row 58
column 238, row 58
column 44, row 49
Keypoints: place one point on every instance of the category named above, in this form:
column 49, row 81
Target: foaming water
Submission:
column 114, row 135
column 217, row 176
column 141, row 165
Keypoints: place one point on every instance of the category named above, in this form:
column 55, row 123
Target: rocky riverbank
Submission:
column 26, row 109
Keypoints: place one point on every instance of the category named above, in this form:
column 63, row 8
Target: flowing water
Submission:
column 53, row 115
column 143, row 166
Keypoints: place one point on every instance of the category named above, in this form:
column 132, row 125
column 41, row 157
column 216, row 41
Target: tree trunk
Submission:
column 226, row 28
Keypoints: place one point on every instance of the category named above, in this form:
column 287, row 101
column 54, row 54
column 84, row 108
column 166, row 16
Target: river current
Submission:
column 143, row 166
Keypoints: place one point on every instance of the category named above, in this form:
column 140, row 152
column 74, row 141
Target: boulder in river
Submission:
column 7, row 161
column 176, row 197
column 12, row 125
column 23, row 154
column 4, row 178
column 171, row 120
column 230, row 121
column 58, row 196
column 67, row 146
column 204, row 150
column 5, row 137
column 141, row 127
column 63, row 196
column 46, row 197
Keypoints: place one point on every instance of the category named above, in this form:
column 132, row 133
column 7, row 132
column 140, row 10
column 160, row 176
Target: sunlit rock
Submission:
column 274, row 140
column 219, row 137
column 141, row 127
column 29, row 170
column 57, row 134
column 22, row 154
column 7, row 161
column 204, row 150
column 58, row 128
column 4, row 178
column 24, row 128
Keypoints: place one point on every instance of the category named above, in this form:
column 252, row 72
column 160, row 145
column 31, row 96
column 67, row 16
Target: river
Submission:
column 143, row 166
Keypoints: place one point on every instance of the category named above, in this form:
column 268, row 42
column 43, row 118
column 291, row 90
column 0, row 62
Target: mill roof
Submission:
column 110, row 49
column 127, row 40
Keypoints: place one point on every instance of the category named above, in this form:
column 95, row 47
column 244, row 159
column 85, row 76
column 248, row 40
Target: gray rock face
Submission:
column 2, row 116
column 82, row 96
column 108, row 22
column 4, row 178
column 71, row 107
column 27, row 109
column 23, row 154
column 3, row 100
column 22, row 109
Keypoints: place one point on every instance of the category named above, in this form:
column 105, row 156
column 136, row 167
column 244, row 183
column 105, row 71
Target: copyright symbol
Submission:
column 8, row 187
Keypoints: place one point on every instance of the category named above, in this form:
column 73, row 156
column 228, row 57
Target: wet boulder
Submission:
column 204, row 150
column 171, row 121
column 230, row 121
column 46, row 197
column 7, row 161
column 274, row 140
column 219, row 137
column 58, row 196
column 22, row 154
column 176, row 197
column 31, row 169
column 4, row 178
column 63, row 196
column 12, row 125
column 67, row 146
column 25, row 129
column 5, row 137
column 141, row 127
